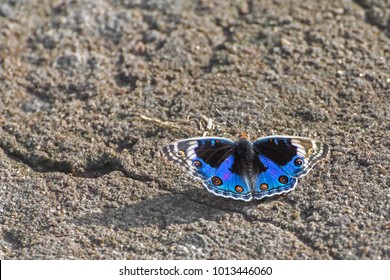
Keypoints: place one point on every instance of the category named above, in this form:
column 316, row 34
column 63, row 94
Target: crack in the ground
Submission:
column 46, row 165
column 36, row 163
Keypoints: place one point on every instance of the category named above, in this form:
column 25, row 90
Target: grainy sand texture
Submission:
column 90, row 91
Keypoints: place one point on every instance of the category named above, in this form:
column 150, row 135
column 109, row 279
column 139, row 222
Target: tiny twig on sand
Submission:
column 169, row 124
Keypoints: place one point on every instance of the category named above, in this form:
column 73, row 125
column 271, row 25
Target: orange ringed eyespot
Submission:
column 283, row 179
column 180, row 153
column 263, row 187
column 239, row 189
column 216, row 181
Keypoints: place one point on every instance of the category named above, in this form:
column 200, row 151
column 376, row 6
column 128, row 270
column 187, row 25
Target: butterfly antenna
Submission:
column 219, row 112
column 258, row 115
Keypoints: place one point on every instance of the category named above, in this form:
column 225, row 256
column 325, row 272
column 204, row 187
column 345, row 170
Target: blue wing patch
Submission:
column 273, row 181
column 227, row 184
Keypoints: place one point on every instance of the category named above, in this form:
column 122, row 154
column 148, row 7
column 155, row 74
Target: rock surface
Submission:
column 91, row 90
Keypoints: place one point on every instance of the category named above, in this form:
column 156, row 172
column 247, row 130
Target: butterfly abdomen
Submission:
column 246, row 162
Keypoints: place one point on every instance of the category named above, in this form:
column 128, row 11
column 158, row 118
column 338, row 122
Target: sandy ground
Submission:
column 90, row 91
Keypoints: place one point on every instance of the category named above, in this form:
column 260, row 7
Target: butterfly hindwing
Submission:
column 228, row 184
column 210, row 159
column 273, row 181
column 286, row 159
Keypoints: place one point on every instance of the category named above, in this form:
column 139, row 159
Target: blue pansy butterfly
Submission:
column 246, row 170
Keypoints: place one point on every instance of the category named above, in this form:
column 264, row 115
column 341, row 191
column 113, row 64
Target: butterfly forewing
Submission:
column 199, row 156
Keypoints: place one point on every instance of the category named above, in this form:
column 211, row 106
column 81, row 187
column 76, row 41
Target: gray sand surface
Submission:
column 90, row 91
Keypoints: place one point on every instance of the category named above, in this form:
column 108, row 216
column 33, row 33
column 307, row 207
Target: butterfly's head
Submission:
column 243, row 135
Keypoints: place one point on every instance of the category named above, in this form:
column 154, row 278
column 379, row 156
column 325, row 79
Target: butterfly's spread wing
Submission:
column 210, row 159
column 285, row 159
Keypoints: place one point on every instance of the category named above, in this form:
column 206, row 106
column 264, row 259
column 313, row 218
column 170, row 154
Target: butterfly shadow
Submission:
column 176, row 208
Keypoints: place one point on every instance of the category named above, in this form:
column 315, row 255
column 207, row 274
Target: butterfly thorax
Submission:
column 243, row 135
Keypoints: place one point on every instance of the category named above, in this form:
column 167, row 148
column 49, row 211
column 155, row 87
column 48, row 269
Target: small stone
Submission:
column 36, row 105
column 7, row 11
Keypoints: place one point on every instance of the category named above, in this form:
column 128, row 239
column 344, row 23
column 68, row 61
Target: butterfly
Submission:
column 245, row 170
